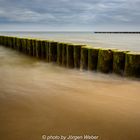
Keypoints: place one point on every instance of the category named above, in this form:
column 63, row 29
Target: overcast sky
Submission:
column 76, row 15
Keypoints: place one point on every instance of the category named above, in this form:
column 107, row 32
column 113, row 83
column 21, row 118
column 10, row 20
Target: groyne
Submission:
column 84, row 57
column 117, row 32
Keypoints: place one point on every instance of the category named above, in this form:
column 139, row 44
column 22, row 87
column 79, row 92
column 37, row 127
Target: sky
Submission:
column 70, row 15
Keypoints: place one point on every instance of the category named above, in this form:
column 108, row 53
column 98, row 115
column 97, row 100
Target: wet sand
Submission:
column 38, row 98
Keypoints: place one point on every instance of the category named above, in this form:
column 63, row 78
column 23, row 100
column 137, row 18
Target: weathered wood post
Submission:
column 53, row 52
column 84, row 58
column 119, row 61
column 33, row 48
column 5, row 41
column 132, row 64
column 105, row 60
column 23, row 44
column 28, row 46
column 59, row 53
column 10, row 42
column 18, row 44
column 92, row 58
column 77, row 55
column 1, row 40
column 47, row 46
column 70, row 56
column 64, row 56
column 38, row 48
column 14, row 43
column 43, row 49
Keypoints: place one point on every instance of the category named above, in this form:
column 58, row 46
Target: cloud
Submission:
column 70, row 12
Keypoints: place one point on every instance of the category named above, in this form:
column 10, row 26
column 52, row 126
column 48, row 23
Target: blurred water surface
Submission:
column 39, row 98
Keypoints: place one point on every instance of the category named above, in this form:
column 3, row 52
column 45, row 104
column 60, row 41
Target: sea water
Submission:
column 39, row 100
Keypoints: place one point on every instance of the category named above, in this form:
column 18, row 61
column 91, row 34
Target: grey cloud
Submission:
column 70, row 12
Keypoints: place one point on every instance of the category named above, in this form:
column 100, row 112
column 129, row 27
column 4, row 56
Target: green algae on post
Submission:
column 77, row 55
column 132, row 64
column 70, row 56
column 84, row 58
column 105, row 60
column 92, row 58
column 118, row 61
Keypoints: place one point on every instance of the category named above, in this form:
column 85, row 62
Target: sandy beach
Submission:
column 37, row 98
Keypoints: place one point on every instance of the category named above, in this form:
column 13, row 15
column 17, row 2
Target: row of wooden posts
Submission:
column 84, row 57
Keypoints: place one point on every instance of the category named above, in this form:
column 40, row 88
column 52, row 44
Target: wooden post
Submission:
column 118, row 61
column 59, row 53
column 77, row 55
column 92, row 58
column 84, row 58
column 38, row 48
column 64, row 56
column 105, row 60
column 70, row 56
column 132, row 64
column 43, row 49
column 53, row 52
